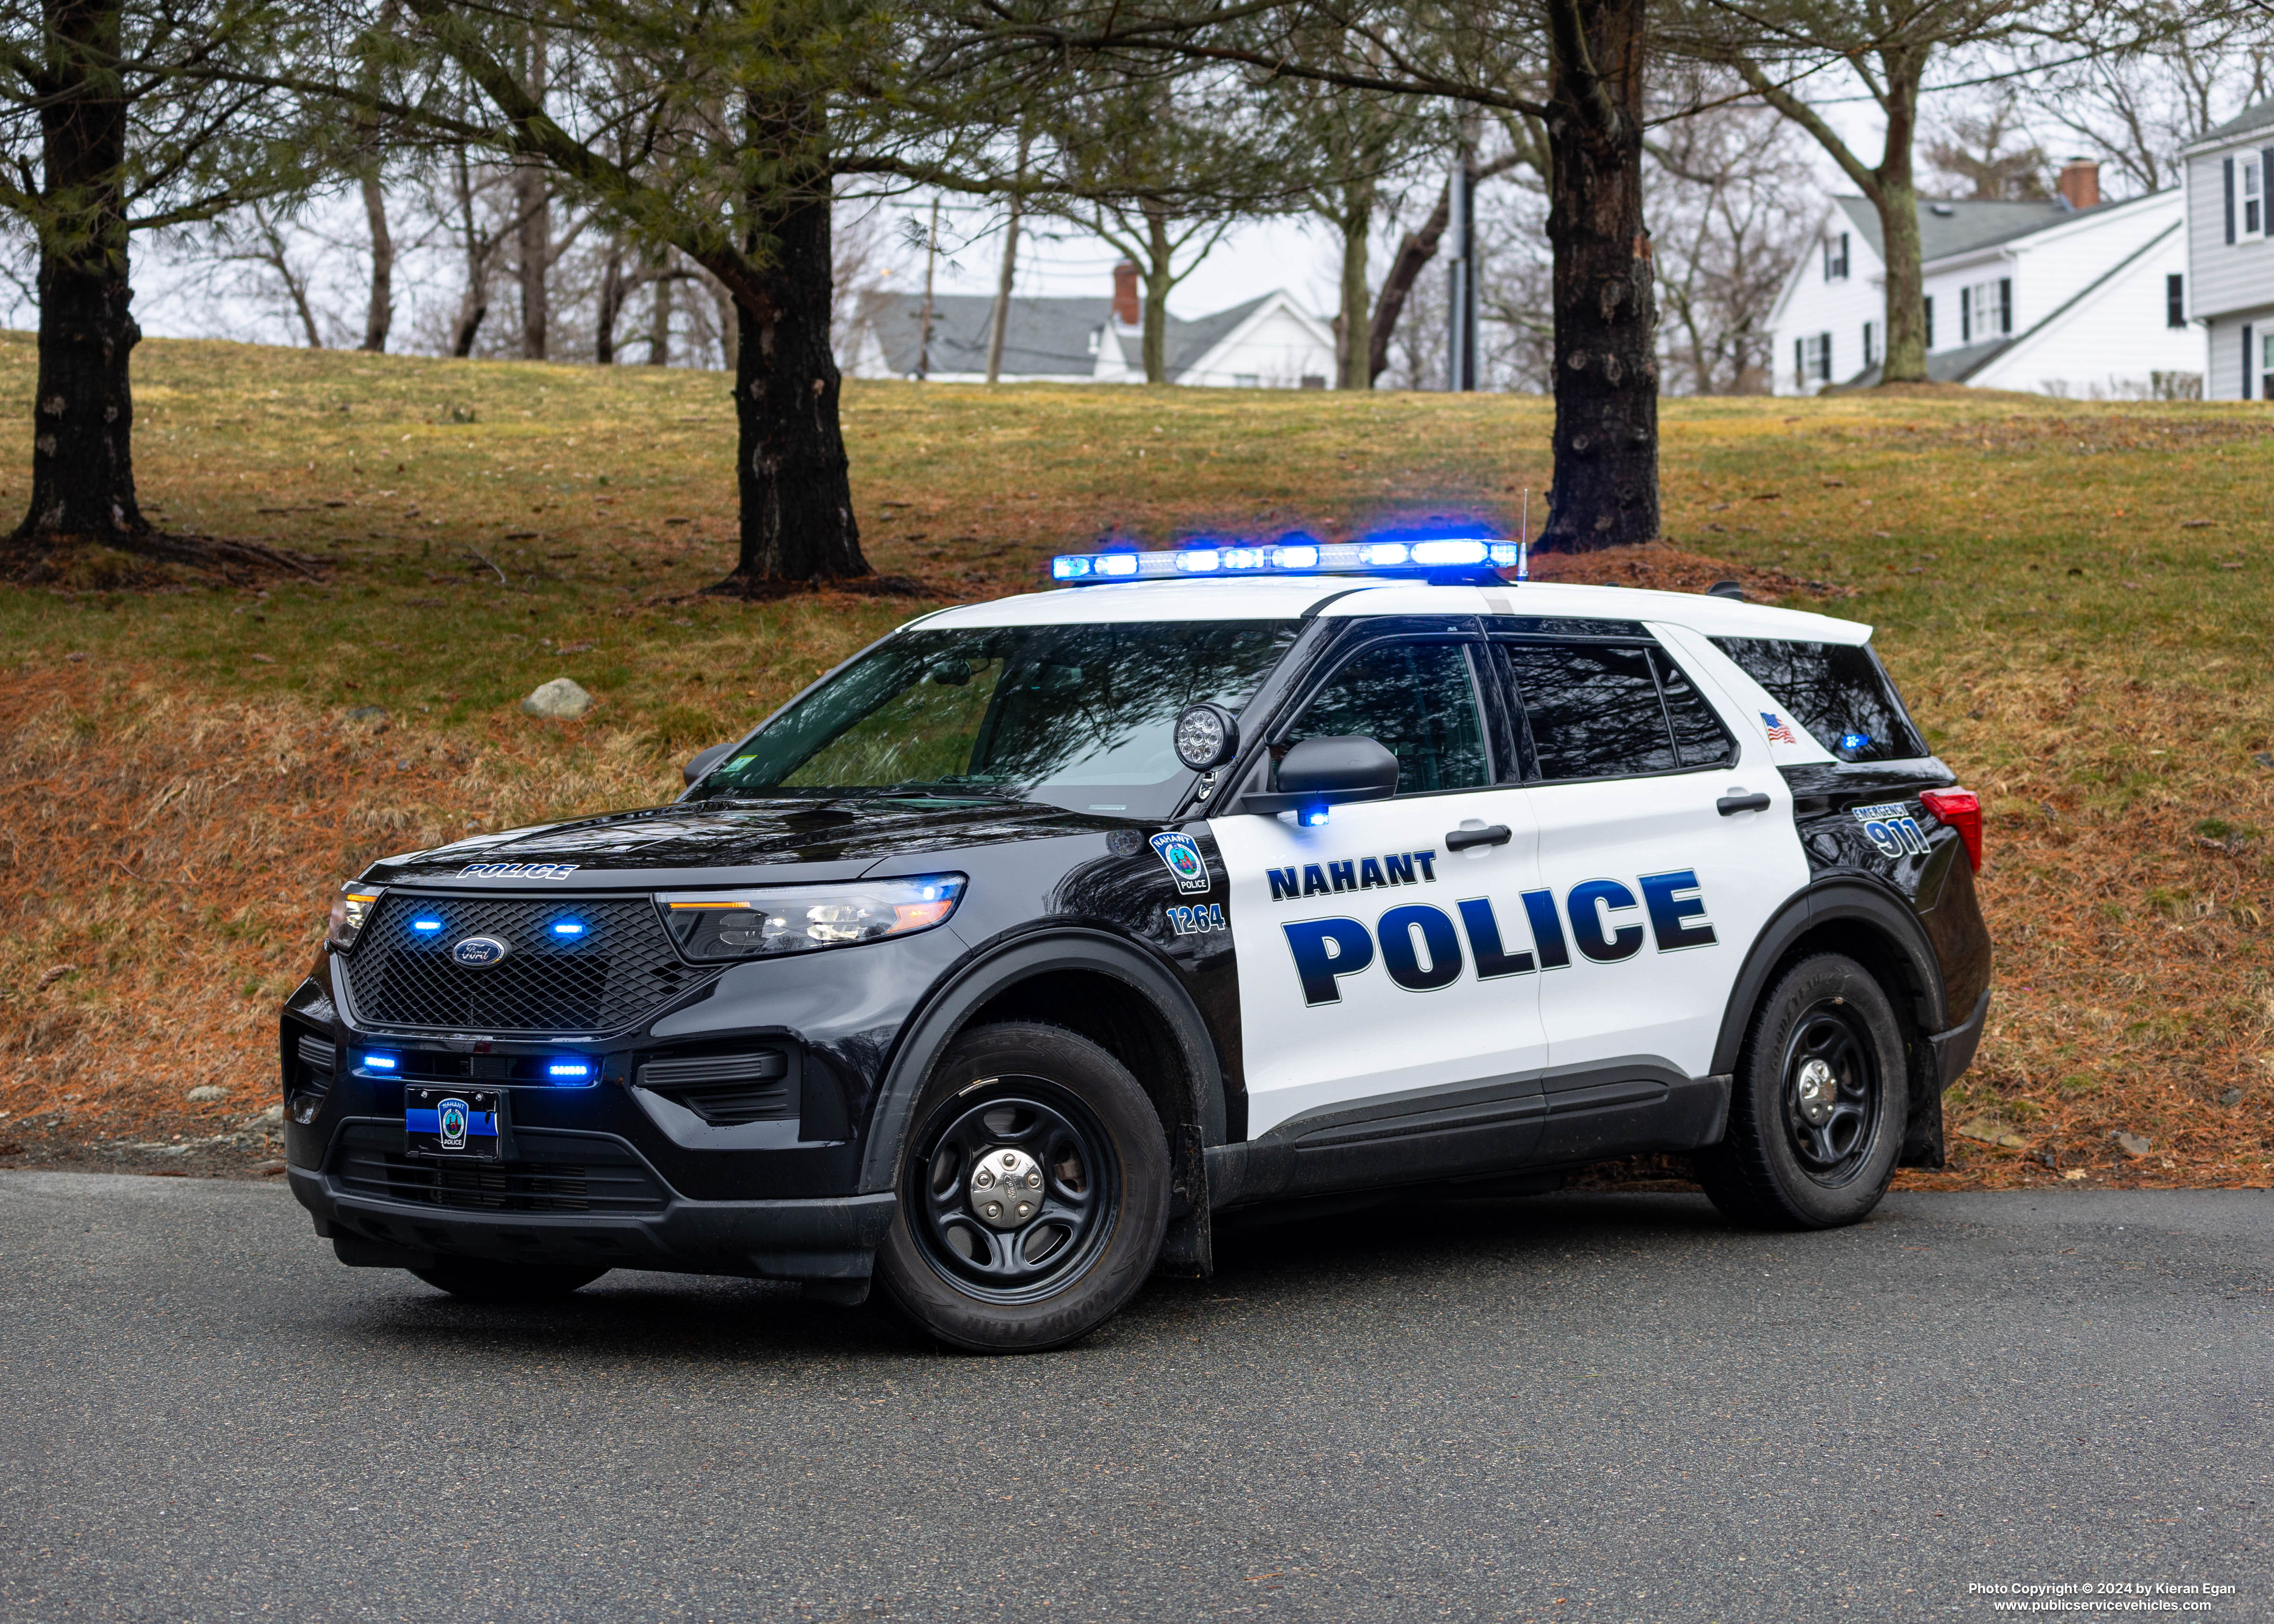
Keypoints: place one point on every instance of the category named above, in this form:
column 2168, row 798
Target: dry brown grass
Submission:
column 2075, row 598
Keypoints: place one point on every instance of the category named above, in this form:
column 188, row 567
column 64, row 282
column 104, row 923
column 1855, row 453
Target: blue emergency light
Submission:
column 1424, row 556
column 567, row 1069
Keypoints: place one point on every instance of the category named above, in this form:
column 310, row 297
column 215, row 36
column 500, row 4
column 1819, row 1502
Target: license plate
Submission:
column 456, row 1122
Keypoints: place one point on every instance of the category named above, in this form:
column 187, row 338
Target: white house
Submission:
column 1269, row 342
column 2070, row 296
column 2230, row 256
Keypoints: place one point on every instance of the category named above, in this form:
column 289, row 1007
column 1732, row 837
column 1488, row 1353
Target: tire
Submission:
column 1069, row 1128
column 1818, row 1107
column 505, row 1283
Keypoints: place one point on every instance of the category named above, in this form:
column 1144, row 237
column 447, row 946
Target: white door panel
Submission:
column 1662, row 896
column 1370, row 969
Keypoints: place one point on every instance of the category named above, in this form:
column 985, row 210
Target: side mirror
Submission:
column 1319, row 773
column 703, row 761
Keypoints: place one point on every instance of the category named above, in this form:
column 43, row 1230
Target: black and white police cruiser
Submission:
column 1002, row 957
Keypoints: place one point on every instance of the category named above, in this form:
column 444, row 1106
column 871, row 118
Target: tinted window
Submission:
column 1077, row 716
column 1594, row 710
column 1836, row 690
column 1699, row 739
column 1417, row 701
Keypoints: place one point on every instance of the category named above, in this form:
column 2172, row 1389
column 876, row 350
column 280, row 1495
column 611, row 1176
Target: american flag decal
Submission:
column 1779, row 734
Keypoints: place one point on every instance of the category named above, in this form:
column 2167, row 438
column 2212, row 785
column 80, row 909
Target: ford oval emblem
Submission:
column 478, row 951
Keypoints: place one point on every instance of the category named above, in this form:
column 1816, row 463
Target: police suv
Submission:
column 1002, row 957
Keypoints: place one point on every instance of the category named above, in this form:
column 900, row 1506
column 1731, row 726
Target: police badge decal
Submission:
column 1181, row 855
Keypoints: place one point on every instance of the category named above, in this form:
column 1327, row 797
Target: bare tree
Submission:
column 2136, row 108
column 1726, row 236
column 1987, row 155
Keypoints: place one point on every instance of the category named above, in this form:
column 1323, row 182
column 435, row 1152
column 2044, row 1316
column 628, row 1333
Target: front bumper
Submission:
column 831, row 1238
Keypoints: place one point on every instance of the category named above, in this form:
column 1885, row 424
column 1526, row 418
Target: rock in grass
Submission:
column 2233, row 1096
column 2131, row 1144
column 204, row 1092
column 1989, row 1130
column 560, row 697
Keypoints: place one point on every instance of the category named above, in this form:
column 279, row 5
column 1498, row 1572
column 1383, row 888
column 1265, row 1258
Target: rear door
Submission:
column 1660, row 892
column 1384, row 971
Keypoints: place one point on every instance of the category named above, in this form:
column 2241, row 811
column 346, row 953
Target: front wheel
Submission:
column 1818, row 1107
column 1034, row 1194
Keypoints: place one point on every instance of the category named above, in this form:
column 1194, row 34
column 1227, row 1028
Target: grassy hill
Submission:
column 2075, row 598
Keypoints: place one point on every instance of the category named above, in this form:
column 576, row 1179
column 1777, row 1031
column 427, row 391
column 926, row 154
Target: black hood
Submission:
column 834, row 840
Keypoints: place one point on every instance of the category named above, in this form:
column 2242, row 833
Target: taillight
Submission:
column 1961, row 810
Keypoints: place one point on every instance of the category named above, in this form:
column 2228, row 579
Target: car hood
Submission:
column 735, row 843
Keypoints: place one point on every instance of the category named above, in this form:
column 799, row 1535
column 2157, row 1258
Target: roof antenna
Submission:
column 1523, row 538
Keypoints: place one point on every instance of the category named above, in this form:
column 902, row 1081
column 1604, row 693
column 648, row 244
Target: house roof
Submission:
column 1968, row 225
column 1046, row 338
column 2257, row 116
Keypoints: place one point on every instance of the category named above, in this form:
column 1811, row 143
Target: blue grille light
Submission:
column 1312, row 818
column 426, row 924
column 1405, row 554
column 569, row 1071
column 568, row 928
column 377, row 1061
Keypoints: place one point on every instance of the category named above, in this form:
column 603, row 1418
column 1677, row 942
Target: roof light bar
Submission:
column 1290, row 558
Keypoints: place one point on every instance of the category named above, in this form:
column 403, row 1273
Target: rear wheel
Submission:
column 1818, row 1107
column 505, row 1283
column 1034, row 1195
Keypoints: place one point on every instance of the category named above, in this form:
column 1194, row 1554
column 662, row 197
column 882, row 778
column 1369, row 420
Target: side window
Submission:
column 1699, row 739
column 1415, row 699
column 1594, row 710
column 1837, row 691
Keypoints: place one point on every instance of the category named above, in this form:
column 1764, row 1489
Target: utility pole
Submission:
column 1460, row 305
column 931, row 253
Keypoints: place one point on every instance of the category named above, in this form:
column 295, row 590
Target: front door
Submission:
column 1383, row 964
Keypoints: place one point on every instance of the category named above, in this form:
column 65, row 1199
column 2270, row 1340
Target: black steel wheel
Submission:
column 1033, row 1195
column 1819, row 1104
column 483, row 1282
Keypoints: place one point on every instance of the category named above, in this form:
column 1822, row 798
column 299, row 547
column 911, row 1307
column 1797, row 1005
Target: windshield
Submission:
column 1081, row 717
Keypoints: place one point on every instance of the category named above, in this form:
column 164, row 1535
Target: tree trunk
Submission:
column 1159, row 277
column 533, row 244
column 1354, row 330
column 83, row 410
column 611, row 306
column 474, row 302
column 381, row 314
column 791, row 470
column 1000, row 326
column 1899, row 229
column 658, row 317
column 1606, row 438
column 1415, row 250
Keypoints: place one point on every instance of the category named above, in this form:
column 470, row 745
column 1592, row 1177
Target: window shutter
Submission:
column 2228, row 164
column 2005, row 303
column 1966, row 315
column 1800, row 360
column 2246, row 360
column 1824, row 361
column 1930, row 321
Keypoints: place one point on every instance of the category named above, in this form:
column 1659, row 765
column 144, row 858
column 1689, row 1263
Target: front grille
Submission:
column 619, row 968
column 550, row 1173
column 726, row 1091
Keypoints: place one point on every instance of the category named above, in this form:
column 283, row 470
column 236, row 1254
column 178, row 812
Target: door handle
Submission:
column 1462, row 839
column 1730, row 805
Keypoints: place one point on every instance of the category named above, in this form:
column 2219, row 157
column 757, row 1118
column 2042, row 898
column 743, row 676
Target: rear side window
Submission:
column 1839, row 691
column 1416, row 700
column 1604, row 710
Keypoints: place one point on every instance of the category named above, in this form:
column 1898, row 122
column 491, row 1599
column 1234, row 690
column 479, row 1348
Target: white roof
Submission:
column 1285, row 598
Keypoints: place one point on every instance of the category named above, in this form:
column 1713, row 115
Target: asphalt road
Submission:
column 1587, row 1406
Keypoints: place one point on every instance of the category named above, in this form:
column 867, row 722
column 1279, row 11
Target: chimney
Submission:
column 1124, row 294
column 2080, row 182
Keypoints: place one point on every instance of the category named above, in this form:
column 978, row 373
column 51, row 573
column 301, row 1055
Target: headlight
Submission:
column 349, row 909
column 758, row 923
